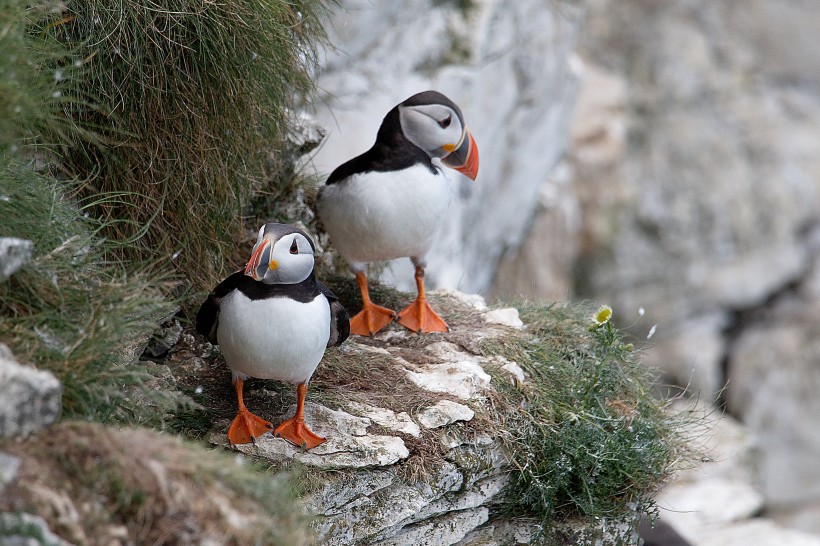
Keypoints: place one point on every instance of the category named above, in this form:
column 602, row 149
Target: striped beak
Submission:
column 259, row 262
column 464, row 156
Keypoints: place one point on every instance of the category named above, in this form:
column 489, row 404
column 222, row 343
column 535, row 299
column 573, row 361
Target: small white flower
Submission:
column 198, row 390
column 602, row 315
column 58, row 75
column 641, row 311
column 57, row 94
column 652, row 331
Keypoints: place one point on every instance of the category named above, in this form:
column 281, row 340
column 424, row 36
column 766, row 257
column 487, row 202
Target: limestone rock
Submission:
column 306, row 134
column 464, row 379
column 327, row 421
column 14, row 254
column 443, row 413
column 339, row 451
column 460, row 373
column 501, row 532
column 474, row 497
column 705, row 503
column 774, row 384
column 505, row 317
column 447, row 529
column 758, row 531
column 384, row 512
column 400, row 422
column 476, row 301
column 29, row 398
column 348, row 443
column 513, row 368
column 334, row 495
column 9, row 467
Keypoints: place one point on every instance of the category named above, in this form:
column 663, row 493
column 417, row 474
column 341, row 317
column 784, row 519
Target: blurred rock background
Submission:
column 662, row 156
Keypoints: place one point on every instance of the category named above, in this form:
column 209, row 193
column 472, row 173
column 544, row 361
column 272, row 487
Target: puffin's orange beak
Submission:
column 259, row 260
column 464, row 158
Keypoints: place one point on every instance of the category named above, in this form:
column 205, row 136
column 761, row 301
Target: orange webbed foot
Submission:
column 371, row 319
column 297, row 432
column 247, row 427
column 420, row 317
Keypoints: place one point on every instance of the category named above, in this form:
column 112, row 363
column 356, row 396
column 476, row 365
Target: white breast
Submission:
column 275, row 338
column 385, row 215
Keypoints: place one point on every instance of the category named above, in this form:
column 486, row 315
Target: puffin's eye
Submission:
column 445, row 122
column 294, row 248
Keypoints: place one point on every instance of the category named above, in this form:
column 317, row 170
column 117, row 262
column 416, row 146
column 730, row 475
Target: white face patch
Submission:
column 290, row 260
column 434, row 128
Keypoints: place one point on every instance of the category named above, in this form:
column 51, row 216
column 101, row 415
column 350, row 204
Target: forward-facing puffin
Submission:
column 273, row 321
column 388, row 202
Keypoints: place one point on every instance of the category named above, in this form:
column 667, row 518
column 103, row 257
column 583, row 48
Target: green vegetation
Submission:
column 74, row 311
column 189, row 100
column 31, row 96
column 588, row 437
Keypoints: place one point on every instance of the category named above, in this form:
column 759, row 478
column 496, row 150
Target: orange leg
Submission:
column 419, row 316
column 295, row 430
column 372, row 317
column 246, row 427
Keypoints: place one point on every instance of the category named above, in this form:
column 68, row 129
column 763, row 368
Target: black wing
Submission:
column 339, row 319
column 207, row 319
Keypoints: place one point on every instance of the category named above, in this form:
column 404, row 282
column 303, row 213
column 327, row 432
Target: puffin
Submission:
column 274, row 320
column 388, row 202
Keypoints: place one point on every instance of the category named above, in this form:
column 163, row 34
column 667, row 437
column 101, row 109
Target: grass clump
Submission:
column 73, row 310
column 136, row 486
column 33, row 70
column 586, row 434
column 189, row 100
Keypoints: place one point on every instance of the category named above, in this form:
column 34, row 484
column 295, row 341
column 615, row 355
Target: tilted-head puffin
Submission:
column 273, row 321
column 388, row 202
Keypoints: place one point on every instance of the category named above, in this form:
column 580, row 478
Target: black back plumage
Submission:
column 391, row 152
column 207, row 319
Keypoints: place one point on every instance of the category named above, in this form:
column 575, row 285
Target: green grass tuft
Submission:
column 75, row 311
column 586, row 434
column 34, row 70
column 189, row 100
